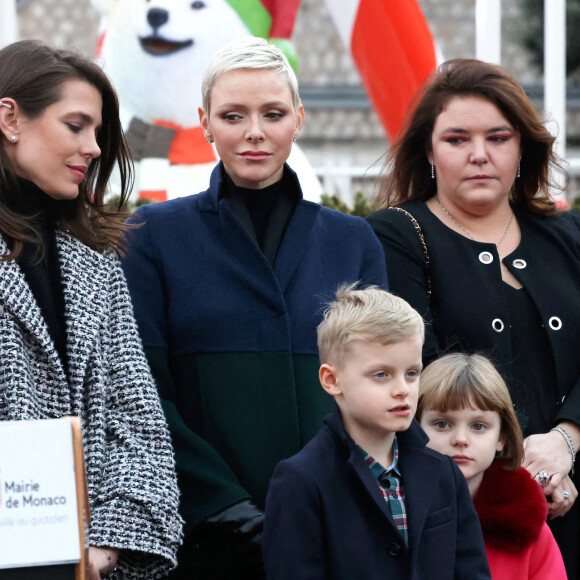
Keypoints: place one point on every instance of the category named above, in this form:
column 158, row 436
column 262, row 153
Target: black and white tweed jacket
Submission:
column 133, row 492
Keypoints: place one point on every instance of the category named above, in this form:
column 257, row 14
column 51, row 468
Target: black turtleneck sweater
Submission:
column 42, row 272
column 265, row 212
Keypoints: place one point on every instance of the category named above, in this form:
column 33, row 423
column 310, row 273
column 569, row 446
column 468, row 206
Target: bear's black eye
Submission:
column 198, row 5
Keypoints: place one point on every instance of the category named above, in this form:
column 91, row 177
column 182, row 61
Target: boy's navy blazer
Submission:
column 326, row 516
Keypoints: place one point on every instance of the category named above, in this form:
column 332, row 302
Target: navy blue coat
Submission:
column 326, row 517
column 231, row 339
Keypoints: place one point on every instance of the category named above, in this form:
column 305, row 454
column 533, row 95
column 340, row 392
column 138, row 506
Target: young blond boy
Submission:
column 365, row 498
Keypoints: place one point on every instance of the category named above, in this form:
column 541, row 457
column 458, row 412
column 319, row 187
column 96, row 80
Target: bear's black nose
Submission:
column 157, row 17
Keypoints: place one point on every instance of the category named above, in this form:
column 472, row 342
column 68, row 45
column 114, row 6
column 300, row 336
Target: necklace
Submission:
column 465, row 231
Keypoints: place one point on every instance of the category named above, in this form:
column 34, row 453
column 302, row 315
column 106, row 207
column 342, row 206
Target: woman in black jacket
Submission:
column 475, row 243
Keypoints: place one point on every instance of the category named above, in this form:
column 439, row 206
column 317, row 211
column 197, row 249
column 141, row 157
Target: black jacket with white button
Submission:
column 467, row 309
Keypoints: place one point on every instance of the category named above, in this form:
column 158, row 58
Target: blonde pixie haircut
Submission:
column 365, row 315
column 456, row 381
column 252, row 53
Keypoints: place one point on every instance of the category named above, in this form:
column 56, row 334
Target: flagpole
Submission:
column 8, row 27
column 555, row 73
column 488, row 30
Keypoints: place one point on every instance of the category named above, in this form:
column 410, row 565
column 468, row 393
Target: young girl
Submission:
column 466, row 410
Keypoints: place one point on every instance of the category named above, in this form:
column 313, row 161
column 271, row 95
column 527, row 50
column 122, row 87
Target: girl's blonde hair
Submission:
column 456, row 381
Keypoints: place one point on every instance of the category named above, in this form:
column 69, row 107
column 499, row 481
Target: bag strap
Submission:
column 423, row 244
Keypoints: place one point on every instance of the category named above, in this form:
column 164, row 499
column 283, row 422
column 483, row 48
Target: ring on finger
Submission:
column 544, row 478
column 566, row 494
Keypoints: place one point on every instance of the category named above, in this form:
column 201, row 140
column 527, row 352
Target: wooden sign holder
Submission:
column 82, row 497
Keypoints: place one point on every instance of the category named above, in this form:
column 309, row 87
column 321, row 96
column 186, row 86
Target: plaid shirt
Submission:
column 390, row 483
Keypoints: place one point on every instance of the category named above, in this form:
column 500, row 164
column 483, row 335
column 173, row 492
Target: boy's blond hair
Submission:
column 456, row 381
column 365, row 315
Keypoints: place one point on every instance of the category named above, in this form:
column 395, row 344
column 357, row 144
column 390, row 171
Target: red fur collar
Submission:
column 511, row 507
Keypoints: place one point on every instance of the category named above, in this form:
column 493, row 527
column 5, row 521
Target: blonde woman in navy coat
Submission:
column 498, row 268
column 228, row 287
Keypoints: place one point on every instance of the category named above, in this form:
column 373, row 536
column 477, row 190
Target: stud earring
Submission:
column 209, row 140
column 7, row 105
column 294, row 139
column 432, row 170
column 13, row 139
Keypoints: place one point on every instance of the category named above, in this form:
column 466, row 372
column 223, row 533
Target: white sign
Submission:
column 38, row 502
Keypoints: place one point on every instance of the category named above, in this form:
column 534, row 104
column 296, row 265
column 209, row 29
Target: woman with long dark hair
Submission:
column 68, row 340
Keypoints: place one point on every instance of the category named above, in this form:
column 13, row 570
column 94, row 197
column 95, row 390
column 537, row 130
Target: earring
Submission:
column 13, row 139
column 7, row 105
column 209, row 140
column 519, row 171
column 294, row 139
column 432, row 170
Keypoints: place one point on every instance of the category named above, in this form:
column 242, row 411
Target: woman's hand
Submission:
column 562, row 502
column 548, row 452
column 99, row 563
column 232, row 540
